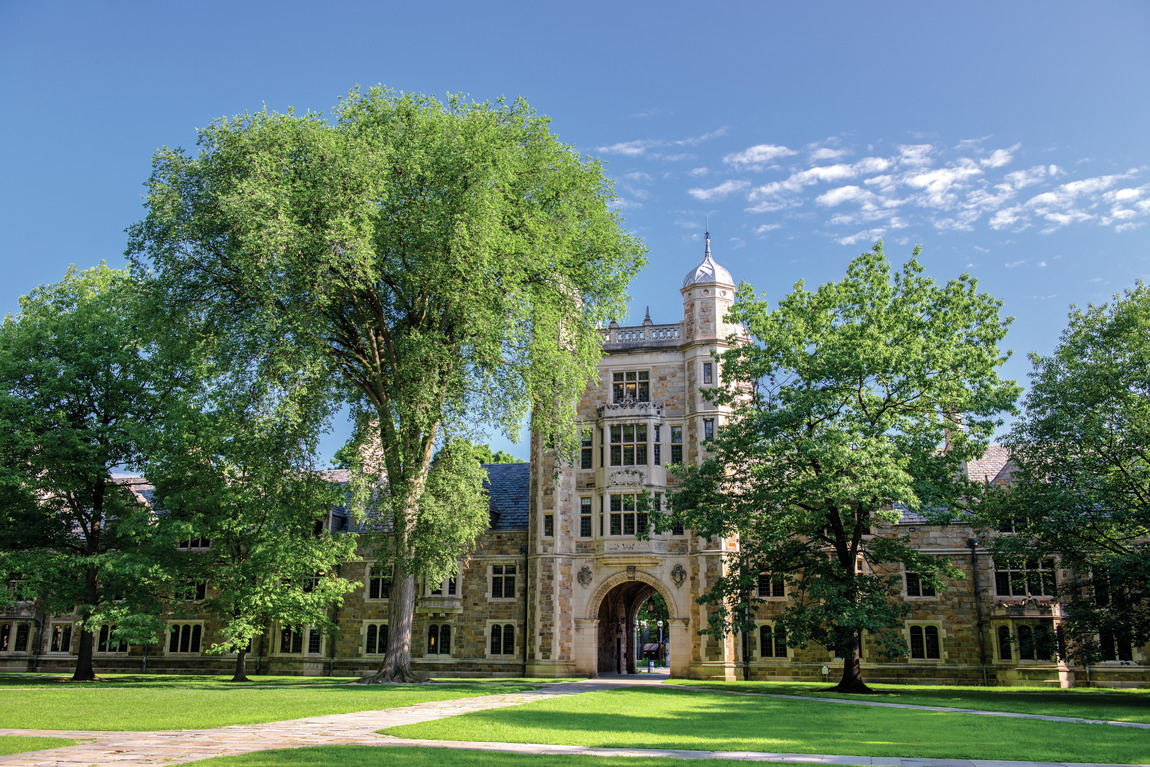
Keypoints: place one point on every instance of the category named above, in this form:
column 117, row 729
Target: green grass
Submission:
column 133, row 702
column 173, row 680
column 18, row 744
column 1086, row 703
column 712, row 721
column 375, row 756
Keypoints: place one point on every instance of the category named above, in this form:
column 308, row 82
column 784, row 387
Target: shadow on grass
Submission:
column 1086, row 703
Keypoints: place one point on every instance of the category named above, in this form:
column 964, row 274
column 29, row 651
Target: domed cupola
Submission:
column 709, row 272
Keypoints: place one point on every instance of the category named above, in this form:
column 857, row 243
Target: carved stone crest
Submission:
column 678, row 575
column 631, row 572
column 585, row 576
column 628, row 477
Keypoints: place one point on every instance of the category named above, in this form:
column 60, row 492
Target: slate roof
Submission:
column 992, row 468
column 509, row 489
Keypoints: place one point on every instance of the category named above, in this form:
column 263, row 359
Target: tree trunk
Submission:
column 400, row 618
column 241, row 672
column 85, row 672
column 852, row 672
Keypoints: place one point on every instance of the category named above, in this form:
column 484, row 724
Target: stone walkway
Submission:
column 181, row 746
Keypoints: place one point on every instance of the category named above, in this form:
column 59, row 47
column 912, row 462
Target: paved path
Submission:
column 181, row 746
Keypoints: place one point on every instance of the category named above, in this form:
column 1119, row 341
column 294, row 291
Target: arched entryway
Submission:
column 618, row 601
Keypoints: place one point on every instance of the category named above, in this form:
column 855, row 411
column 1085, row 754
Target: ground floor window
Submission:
column 184, row 637
column 14, row 636
column 1005, row 653
column 1033, row 641
column 501, row 639
column 375, row 639
column 772, row 641
column 60, row 637
column 1115, row 646
column 925, row 642
column 294, row 641
column 439, row 639
column 107, row 641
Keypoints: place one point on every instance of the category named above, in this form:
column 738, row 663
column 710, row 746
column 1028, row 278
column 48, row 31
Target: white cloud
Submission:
column 843, row 194
column 628, row 148
column 757, row 155
column 942, row 185
column 762, row 229
column 719, row 192
column 825, row 153
column 1000, row 157
column 915, row 154
column 872, row 165
column 696, row 172
column 693, row 140
column 638, row 177
column 1013, row 264
column 867, row 235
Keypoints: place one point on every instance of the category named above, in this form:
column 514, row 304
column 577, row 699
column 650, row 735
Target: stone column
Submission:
column 680, row 646
column 586, row 650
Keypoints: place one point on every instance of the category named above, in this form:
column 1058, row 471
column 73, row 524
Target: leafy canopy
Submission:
column 1080, row 486
column 78, row 392
column 847, row 405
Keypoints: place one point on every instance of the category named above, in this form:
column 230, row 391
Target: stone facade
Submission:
column 560, row 576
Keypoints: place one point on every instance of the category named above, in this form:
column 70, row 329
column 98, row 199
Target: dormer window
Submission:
column 631, row 385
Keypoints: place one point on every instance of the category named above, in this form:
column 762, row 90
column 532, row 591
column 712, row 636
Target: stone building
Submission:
column 554, row 586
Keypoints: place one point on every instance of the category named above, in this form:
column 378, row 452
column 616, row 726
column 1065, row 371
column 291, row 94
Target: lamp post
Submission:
column 660, row 625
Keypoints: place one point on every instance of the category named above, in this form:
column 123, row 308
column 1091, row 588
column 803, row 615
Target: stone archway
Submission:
column 616, row 607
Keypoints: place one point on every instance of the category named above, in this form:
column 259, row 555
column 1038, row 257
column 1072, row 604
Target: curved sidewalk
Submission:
column 360, row 728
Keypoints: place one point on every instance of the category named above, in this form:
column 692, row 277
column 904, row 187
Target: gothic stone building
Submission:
column 555, row 584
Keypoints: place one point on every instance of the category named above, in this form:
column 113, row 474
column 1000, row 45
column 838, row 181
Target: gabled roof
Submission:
column 992, row 467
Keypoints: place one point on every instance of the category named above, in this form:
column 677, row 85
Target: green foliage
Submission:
column 241, row 474
column 440, row 264
column 1080, row 487
column 78, row 390
column 840, row 410
column 483, row 454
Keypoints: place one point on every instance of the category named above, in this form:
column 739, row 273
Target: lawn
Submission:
column 712, row 721
column 374, row 756
column 136, row 702
column 1083, row 702
column 18, row 744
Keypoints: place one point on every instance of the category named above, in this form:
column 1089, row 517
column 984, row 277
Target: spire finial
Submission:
column 707, row 238
column 647, row 317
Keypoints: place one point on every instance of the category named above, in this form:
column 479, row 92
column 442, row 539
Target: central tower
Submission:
column 589, row 570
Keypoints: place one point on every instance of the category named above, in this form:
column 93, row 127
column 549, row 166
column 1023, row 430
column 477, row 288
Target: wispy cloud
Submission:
column 758, row 156
column 719, row 192
column 641, row 147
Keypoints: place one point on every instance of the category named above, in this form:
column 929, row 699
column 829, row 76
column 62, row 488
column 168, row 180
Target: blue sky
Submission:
column 1008, row 139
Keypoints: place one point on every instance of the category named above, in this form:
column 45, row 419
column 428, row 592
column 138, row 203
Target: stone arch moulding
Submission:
column 624, row 577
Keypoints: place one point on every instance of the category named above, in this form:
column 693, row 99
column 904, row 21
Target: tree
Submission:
column 449, row 263
column 241, row 476
column 483, row 454
column 845, row 409
column 77, row 392
column 1080, row 486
